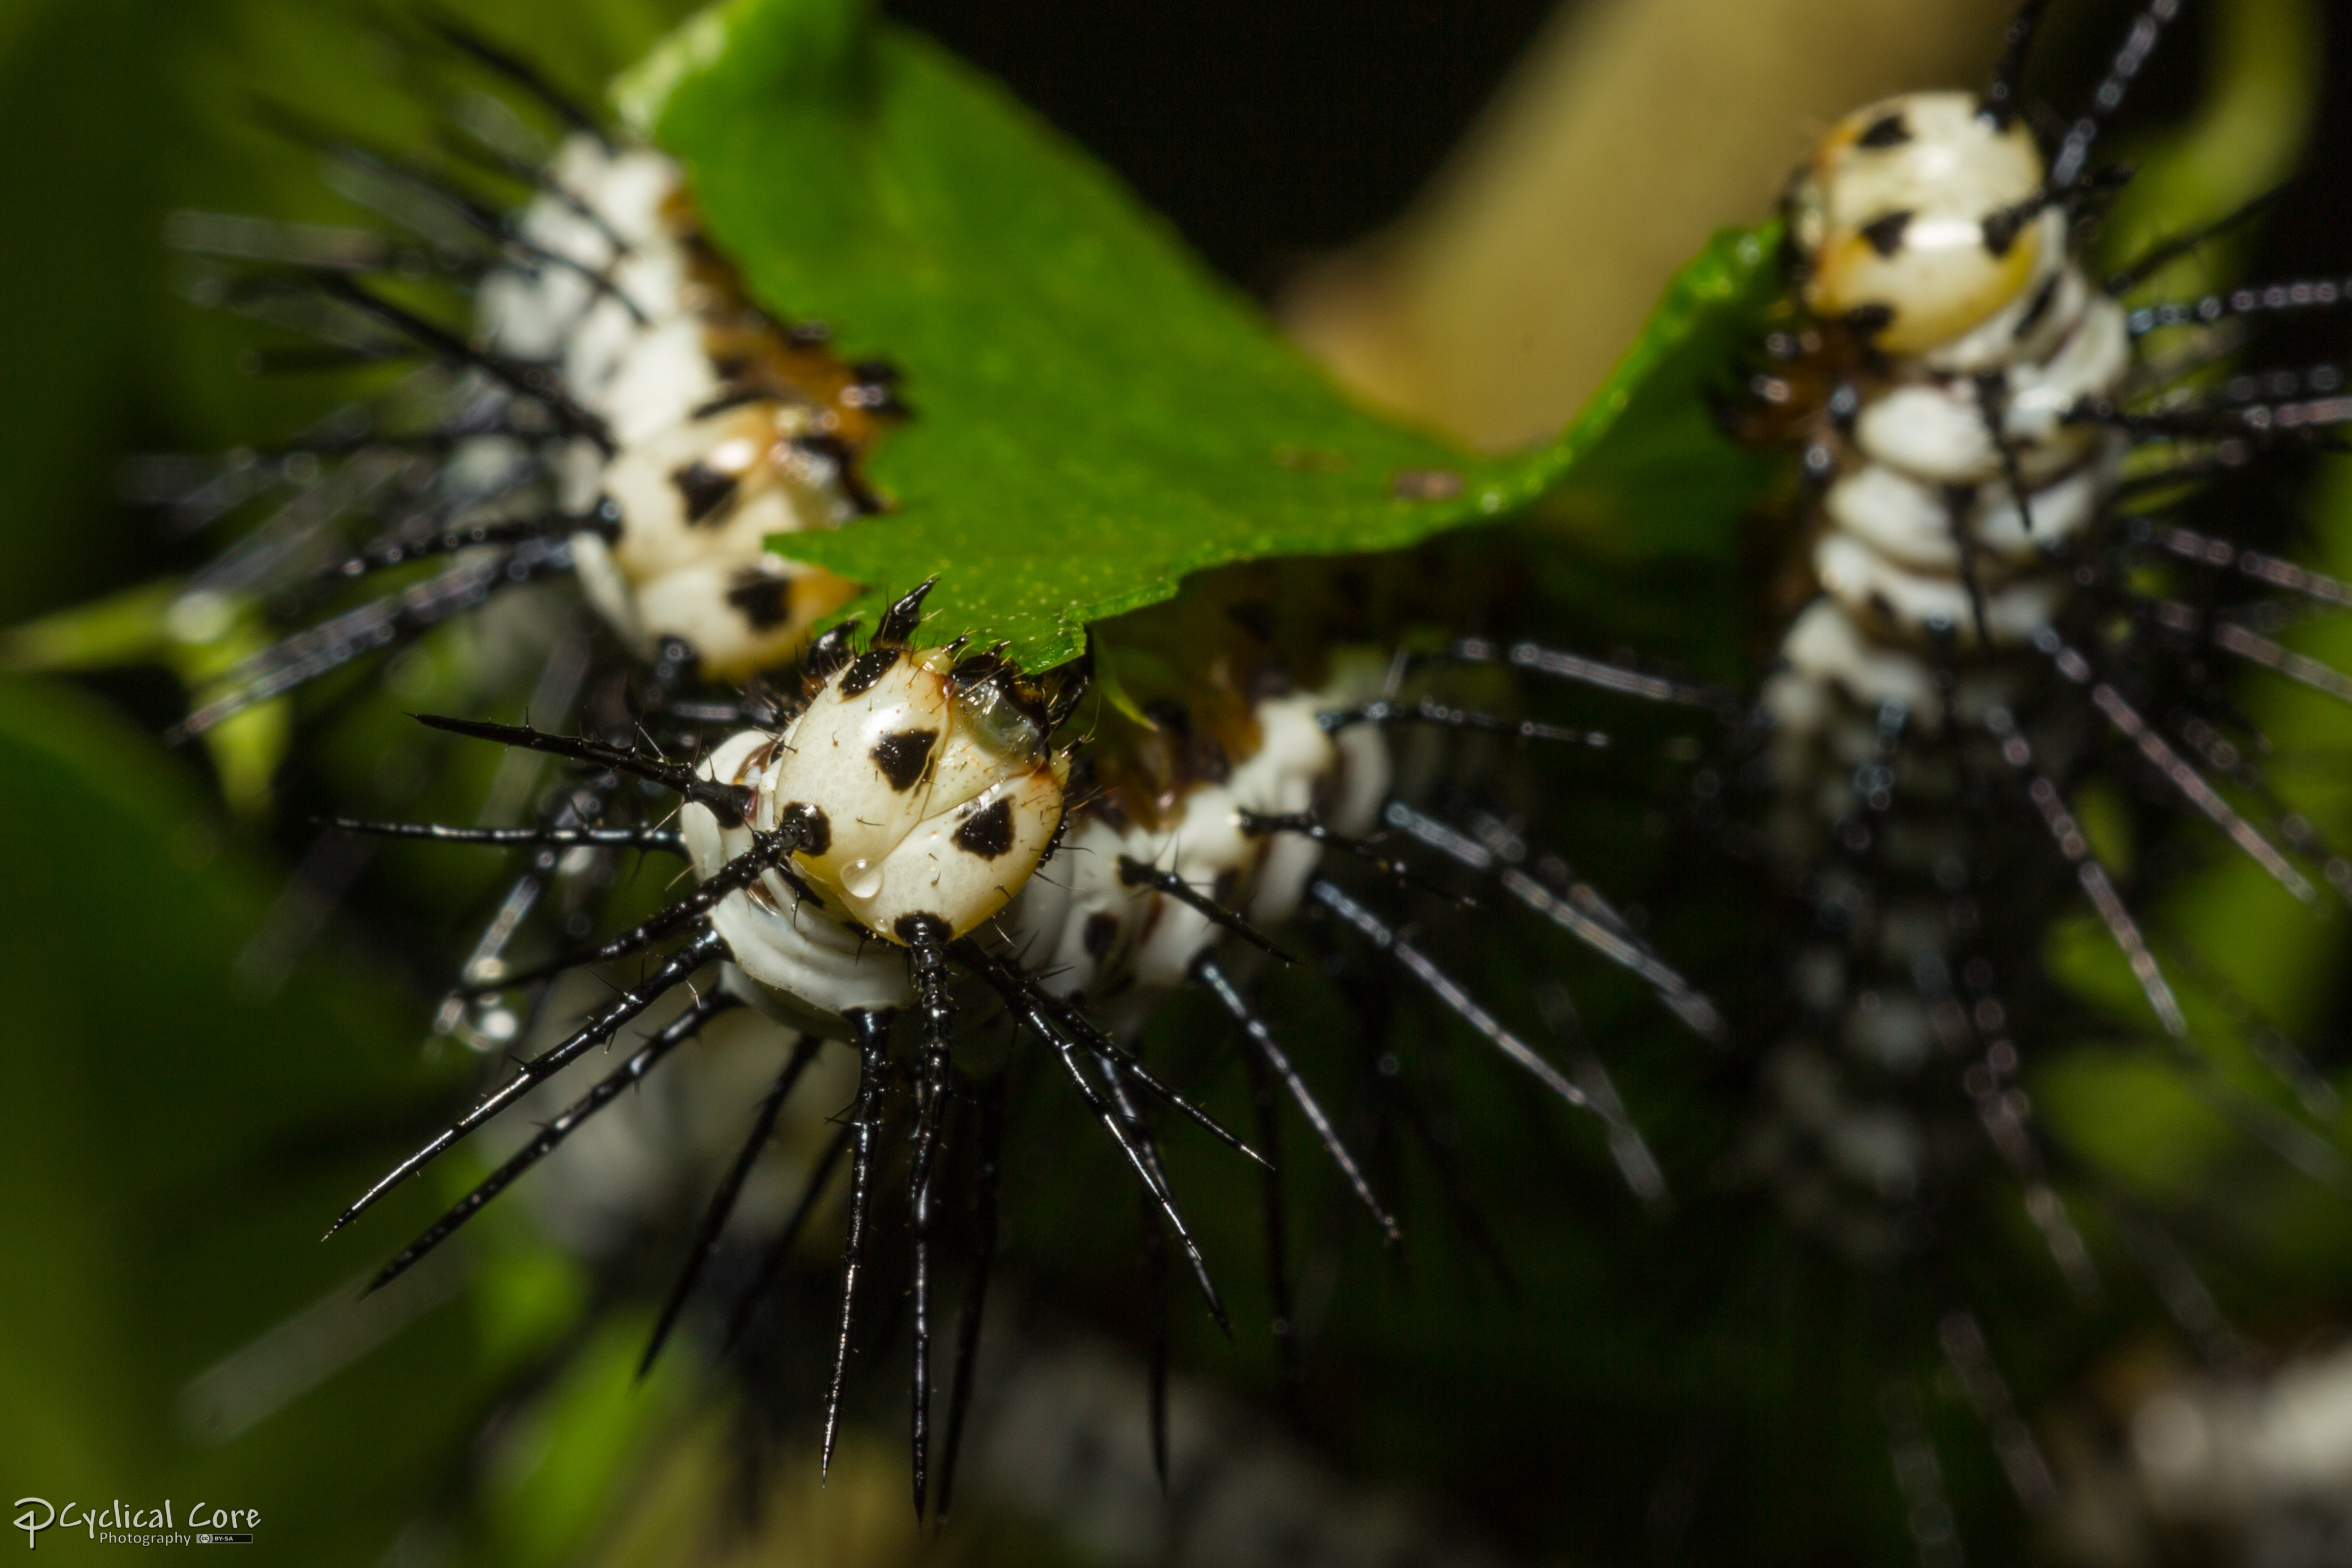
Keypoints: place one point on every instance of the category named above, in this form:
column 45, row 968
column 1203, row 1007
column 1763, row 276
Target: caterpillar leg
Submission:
column 2072, row 160
column 2236, row 304
column 2004, row 1114
column 1961, row 1338
column 1919, row 1473
column 2176, row 769
column 527, row 381
column 1155, row 1265
column 1559, row 665
column 1273, row 1224
column 1397, row 947
column 1059, row 1022
column 1134, row 873
column 1583, row 914
column 2187, row 1299
column 2291, row 1141
column 770, row 853
column 1431, row 711
column 406, row 183
column 666, row 840
column 577, row 808
column 512, row 68
column 727, row 802
column 1145, row 1162
column 2255, row 648
column 2287, row 1061
column 1999, row 103
column 372, row 628
column 2230, row 421
column 703, row 949
column 403, row 550
column 1454, row 1182
column 926, row 957
column 2220, row 556
column 1306, row 825
column 1635, row 1162
column 1413, row 962
column 1155, row 1335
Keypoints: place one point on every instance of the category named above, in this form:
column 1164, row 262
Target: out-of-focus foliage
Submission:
column 2252, row 126
column 128, row 111
column 171, row 1138
column 138, row 626
column 1627, row 134
column 182, row 1116
column 2135, row 1112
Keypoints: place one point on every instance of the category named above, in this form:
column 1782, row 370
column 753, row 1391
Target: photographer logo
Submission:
column 119, row 1523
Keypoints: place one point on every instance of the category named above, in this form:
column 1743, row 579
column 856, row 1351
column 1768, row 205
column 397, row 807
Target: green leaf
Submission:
column 1644, row 472
column 2253, row 121
column 173, row 1131
column 1099, row 415
column 202, row 638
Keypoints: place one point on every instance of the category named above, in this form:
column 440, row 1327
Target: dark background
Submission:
column 1268, row 133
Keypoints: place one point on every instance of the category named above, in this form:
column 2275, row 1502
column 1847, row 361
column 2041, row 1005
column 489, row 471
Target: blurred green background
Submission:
column 181, row 1118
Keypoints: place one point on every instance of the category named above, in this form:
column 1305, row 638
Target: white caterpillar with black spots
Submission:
column 917, row 788
column 1095, row 929
column 924, row 787
column 724, row 428
column 1996, row 618
column 1956, row 479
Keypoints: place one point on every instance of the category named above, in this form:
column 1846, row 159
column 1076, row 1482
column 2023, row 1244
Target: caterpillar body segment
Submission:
column 923, row 812
column 1098, row 928
column 726, row 426
column 1998, row 614
column 923, row 787
column 617, row 410
column 1945, row 335
column 1955, row 470
column 928, row 853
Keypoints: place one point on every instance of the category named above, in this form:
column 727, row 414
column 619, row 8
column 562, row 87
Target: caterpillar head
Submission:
column 1919, row 218
column 920, row 784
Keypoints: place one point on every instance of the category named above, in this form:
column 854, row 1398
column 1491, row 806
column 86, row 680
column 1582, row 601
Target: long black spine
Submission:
column 722, row 1199
column 631, row 1072
column 976, row 1297
column 601, row 1025
column 873, row 1070
column 927, row 963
